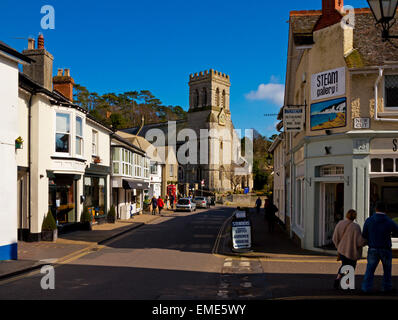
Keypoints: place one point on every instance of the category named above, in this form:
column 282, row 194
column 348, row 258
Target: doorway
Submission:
column 331, row 212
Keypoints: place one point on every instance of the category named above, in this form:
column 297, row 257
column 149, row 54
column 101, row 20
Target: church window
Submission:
column 204, row 95
column 218, row 97
column 223, row 99
column 196, row 98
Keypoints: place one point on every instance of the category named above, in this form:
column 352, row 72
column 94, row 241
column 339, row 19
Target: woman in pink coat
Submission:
column 349, row 242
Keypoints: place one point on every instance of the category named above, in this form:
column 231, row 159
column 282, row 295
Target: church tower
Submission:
column 209, row 108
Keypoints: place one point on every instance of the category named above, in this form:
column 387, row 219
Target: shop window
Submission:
column 79, row 136
column 391, row 91
column 62, row 133
column 376, row 165
column 62, row 202
column 328, row 171
column 94, row 191
column 396, row 165
column 388, row 165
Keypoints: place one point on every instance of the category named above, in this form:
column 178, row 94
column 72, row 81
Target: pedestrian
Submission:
column 208, row 201
column 377, row 231
column 154, row 205
column 172, row 199
column 347, row 238
column 167, row 201
column 258, row 204
column 160, row 204
column 270, row 209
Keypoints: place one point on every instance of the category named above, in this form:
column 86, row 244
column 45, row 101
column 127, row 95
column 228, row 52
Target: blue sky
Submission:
column 117, row 46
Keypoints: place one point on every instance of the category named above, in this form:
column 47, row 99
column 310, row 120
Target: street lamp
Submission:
column 384, row 13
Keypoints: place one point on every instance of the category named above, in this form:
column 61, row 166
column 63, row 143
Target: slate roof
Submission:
column 369, row 49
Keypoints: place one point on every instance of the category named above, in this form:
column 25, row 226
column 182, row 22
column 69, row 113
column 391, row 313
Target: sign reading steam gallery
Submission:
column 328, row 84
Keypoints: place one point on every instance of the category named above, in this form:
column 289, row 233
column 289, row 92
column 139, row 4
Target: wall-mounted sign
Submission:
column 361, row 123
column 293, row 119
column 384, row 146
column 328, row 84
column 329, row 114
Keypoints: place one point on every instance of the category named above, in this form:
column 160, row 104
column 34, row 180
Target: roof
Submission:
column 143, row 144
column 369, row 48
column 12, row 52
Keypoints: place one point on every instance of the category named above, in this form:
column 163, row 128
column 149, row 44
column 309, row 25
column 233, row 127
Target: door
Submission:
column 332, row 211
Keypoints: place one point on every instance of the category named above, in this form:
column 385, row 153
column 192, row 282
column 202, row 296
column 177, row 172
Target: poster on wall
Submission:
column 328, row 84
column 329, row 114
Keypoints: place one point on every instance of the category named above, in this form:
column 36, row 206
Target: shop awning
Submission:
column 134, row 184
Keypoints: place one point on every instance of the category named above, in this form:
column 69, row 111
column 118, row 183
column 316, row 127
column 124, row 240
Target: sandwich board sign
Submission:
column 241, row 231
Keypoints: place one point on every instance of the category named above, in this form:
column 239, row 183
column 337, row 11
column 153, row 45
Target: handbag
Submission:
column 338, row 254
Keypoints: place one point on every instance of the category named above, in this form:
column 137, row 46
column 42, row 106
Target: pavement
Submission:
column 264, row 244
column 33, row 255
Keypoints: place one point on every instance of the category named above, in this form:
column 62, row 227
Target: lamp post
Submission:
column 384, row 13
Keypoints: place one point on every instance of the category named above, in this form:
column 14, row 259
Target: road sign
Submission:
column 293, row 119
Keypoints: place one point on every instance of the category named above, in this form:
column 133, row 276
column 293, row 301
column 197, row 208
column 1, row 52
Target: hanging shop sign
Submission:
column 328, row 84
column 293, row 119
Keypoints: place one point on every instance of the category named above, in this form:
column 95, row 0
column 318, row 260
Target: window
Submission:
column 62, row 133
column 384, row 165
column 146, row 168
column 79, row 136
column 204, row 95
column 116, row 160
column 223, row 99
column 218, row 97
column 391, row 91
column 94, row 143
column 138, row 165
column 154, row 168
column 171, row 170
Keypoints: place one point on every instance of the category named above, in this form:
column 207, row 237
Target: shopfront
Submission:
column 383, row 175
column 95, row 191
column 62, row 199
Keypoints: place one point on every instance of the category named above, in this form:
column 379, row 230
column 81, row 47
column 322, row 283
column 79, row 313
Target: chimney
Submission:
column 63, row 83
column 331, row 14
column 41, row 69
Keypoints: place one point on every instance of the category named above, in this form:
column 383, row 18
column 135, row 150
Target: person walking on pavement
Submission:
column 172, row 202
column 347, row 238
column 377, row 231
column 270, row 210
column 154, row 205
column 160, row 204
column 258, row 204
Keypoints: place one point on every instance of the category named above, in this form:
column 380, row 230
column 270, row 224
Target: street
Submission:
column 172, row 258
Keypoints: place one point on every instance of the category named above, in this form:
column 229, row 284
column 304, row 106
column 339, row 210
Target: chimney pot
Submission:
column 31, row 44
column 67, row 73
column 60, row 72
column 40, row 42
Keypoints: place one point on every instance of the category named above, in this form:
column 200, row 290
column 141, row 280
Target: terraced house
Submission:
column 346, row 156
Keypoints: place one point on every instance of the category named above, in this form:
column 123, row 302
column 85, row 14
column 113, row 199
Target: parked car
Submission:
column 186, row 204
column 201, row 202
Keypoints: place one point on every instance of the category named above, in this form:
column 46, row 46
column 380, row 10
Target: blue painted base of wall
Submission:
column 9, row 252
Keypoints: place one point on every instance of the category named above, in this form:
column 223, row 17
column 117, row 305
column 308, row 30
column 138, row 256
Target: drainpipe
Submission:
column 376, row 118
column 30, row 159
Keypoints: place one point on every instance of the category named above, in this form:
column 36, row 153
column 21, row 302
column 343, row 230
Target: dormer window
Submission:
column 391, row 91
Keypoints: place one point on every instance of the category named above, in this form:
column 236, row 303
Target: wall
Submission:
column 8, row 134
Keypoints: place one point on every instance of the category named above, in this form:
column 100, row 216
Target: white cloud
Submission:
column 273, row 92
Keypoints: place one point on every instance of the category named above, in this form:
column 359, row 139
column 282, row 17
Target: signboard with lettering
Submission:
column 241, row 235
column 384, row 146
column 328, row 84
column 293, row 119
column 361, row 123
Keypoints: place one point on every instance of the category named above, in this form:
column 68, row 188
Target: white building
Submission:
column 66, row 162
column 130, row 177
column 9, row 60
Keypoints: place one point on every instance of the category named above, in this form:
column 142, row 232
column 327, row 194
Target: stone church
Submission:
column 218, row 150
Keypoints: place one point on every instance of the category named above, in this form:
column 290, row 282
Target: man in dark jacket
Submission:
column 154, row 205
column 377, row 231
column 258, row 204
column 270, row 210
